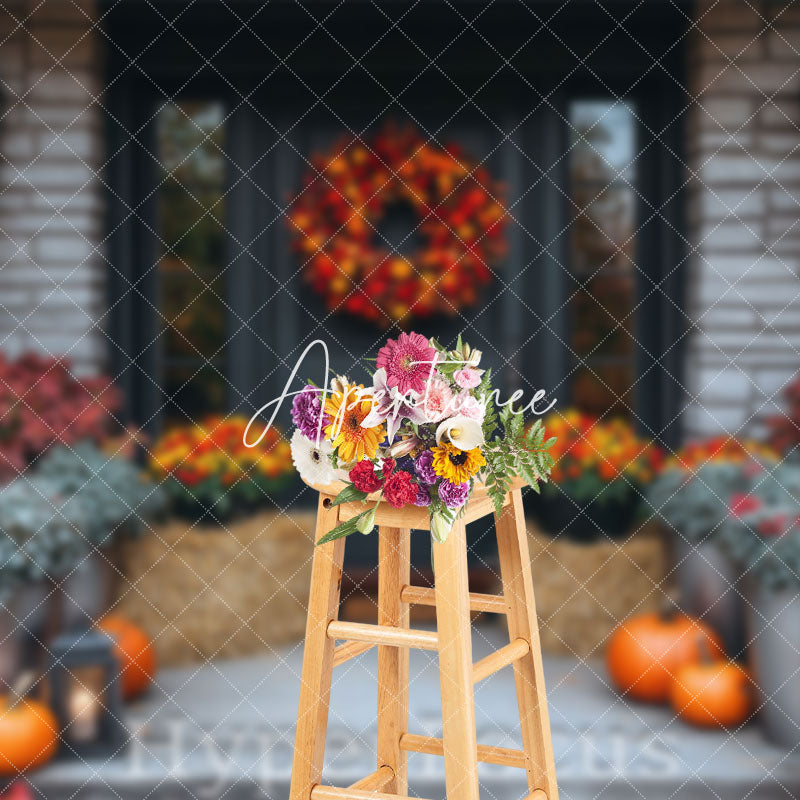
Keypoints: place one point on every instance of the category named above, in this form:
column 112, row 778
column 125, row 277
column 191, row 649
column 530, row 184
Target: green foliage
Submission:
column 764, row 539
column 516, row 452
column 74, row 501
column 345, row 528
column 348, row 495
column 696, row 505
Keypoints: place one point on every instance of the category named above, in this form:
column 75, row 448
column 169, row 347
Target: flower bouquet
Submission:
column 423, row 434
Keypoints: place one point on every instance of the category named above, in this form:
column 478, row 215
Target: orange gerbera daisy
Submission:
column 347, row 410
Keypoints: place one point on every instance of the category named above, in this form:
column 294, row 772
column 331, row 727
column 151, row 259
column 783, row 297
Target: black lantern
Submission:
column 86, row 694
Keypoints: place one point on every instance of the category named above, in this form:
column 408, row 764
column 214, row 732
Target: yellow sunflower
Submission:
column 457, row 466
column 345, row 431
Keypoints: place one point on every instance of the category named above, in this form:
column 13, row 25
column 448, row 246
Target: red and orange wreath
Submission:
column 337, row 215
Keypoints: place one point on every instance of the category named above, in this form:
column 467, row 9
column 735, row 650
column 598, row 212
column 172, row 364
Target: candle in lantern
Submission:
column 83, row 712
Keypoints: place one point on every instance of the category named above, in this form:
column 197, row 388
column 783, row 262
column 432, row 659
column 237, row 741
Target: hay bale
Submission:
column 583, row 591
column 207, row 592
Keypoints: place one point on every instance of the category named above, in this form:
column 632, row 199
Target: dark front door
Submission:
column 218, row 112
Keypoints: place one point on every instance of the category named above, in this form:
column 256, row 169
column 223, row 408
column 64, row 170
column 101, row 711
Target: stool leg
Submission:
column 455, row 665
column 515, row 568
column 394, row 572
column 315, row 683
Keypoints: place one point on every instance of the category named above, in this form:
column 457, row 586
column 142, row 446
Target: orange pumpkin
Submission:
column 646, row 650
column 28, row 735
column 713, row 694
column 135, row 653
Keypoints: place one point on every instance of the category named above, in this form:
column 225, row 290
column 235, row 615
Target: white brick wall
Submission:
column 52, row 277
column 744, row 70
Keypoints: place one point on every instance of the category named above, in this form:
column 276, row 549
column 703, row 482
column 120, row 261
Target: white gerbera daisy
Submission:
column 312, row 462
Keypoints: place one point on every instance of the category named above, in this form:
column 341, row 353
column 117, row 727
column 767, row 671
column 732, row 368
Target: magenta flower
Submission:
column 408, row 362
column 307, row 411
column 423, row 466
column 454, row 495
column 423, row 496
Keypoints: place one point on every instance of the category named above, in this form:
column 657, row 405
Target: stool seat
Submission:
column 452, row 641
column 479, row 505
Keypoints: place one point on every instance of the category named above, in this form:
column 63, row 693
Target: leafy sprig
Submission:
column 516, row 452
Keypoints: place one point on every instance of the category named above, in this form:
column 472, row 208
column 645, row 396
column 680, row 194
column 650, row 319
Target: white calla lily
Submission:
column 463, row 432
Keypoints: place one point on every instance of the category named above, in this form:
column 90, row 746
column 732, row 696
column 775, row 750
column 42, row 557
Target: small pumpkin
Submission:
column 714, row 693
column 644, row 653
column 28, row 735
column 135, row 652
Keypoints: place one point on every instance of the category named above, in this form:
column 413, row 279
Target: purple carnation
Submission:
column 307, row 410
column 423, row 496
column 423, row 466
column 454, row 495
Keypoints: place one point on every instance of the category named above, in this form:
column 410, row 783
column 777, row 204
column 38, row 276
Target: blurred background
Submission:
column 602, row 197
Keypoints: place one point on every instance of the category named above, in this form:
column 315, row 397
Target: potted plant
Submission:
column 118, row 500
column 692, row 495
column 57, row 522
column 601, row 470
column 38, row 543
column 763, row 537
column 43, row 404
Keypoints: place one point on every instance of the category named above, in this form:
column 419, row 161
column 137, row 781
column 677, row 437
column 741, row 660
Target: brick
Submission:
column 727, row 15
column 69, row 199
column 783, row 225
column 741, row 46
column 779, row 111
column 716, row 384
column 72, row 46
column 77, row 142
column 54, row 248
column 734, row 267
column 66, row 175
column 772, row 382
column 57, row 85
column 763, row 77
column 18, row 147
column 79, row 13
column 722, row 318
column 708, row 205
column 723, row 142
column 716, row 418
column 711, row 289
column 728, row 235
column 730, row 113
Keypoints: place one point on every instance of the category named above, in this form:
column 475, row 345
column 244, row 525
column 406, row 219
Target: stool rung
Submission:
column 506, row 655
column 375, row 781
column 320, row 792
column 506, row 756
column 422, row 596
column 537, row 794
column 344, row 652
column 383, row 634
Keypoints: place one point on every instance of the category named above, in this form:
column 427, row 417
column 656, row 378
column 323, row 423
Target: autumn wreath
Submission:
column 337, row 216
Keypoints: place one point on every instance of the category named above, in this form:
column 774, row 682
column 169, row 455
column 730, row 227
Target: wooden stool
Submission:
column 392, row 635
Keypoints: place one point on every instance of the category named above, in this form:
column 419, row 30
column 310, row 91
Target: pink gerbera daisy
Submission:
column 404, row 360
